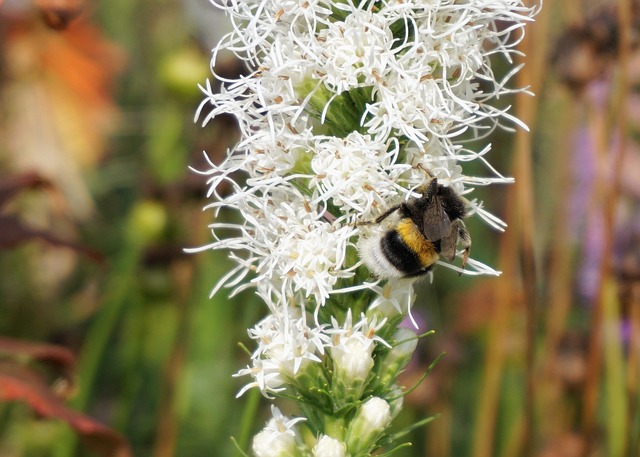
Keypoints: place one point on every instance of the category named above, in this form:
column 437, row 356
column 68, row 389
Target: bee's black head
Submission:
column 453, row 204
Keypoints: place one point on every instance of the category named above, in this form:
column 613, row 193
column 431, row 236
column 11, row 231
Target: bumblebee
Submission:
column 409, row 238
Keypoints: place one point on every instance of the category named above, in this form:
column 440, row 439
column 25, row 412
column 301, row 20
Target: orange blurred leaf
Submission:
column 57, row 14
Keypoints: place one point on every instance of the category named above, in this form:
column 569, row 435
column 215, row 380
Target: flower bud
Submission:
column 353, row 361
column 367, row 426
column 329, row 447
column 398, row 356
column 396, row 400
column 269, row 443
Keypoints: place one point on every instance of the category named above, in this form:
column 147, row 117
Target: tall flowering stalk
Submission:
column 349, row 107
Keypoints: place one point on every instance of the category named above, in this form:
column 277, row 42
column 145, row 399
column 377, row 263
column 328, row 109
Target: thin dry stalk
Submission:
column 516, row 257
column 607, row 192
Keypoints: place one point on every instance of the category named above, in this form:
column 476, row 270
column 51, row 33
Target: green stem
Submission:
column 117, row 290
column 615, row 388
column 247, row 422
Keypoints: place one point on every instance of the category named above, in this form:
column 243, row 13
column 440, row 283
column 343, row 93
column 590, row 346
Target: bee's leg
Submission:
column 388, row 213
column 465, row 239
column 382, row 217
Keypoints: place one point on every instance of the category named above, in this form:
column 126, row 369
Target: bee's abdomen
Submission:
column 398, row 253
column 407, row 250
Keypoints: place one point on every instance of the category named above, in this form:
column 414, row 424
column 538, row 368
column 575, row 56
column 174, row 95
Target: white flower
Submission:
column 353, row 357
column 278, row 438
column 352, row 349
column 393, row 299
column 287, row 243
column 329, row 447
column 286, row 345
column 267, row 377
column 356, row 173
column 359, row 50
column 364, row 330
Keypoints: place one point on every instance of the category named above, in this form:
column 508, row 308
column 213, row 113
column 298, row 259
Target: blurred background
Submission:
column 109, row 342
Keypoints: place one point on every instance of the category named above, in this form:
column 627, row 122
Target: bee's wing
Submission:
column 448, row 245
column 436, row 223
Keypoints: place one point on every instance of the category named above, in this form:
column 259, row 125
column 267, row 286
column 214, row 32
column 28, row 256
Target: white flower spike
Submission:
column 355, row 116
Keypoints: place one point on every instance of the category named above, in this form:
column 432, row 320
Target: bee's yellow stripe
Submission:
column 412, row 237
